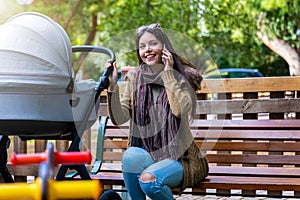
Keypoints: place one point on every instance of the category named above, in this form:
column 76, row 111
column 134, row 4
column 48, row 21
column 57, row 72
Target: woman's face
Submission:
column 150, row 49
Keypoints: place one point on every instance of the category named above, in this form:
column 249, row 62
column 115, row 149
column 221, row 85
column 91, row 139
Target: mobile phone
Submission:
column 164, row 46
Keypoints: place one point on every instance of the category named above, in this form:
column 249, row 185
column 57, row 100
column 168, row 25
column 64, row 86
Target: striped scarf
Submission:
column 154, row 124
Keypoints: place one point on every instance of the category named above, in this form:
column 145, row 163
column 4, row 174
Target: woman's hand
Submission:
column 167, row 59
column 113, row 76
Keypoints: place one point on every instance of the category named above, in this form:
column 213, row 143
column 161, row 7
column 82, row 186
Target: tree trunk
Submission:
column 285, row 50
column 90, row 38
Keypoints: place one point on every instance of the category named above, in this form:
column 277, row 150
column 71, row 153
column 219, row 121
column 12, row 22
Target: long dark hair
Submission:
column 183, row 66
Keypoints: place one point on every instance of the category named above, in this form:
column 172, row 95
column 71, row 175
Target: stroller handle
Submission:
column 103, row 81
column 97, row 49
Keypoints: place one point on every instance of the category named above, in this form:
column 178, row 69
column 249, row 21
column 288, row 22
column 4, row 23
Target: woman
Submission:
column 159, row 97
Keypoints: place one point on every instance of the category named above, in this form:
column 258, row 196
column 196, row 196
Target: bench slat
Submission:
column 112, row 156
column 250, row 183
column 247, row 106
column 115, row 144
column 237, row 106
column 240, row 85
column 225, row 146
column 249, row 146
column 235, row 134
column 254, row 159
column 231, row 158
column 276, row 124
column 254, row 171
column 232, row 170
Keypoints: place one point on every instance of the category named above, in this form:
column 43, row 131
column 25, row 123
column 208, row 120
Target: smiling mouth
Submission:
column 150, row 57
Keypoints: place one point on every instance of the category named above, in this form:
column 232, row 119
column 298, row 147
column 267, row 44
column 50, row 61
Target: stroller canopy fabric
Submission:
column 35, row 52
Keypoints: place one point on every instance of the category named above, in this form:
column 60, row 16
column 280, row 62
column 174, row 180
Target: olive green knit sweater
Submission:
column 195, row 165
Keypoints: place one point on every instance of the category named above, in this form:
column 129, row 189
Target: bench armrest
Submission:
column 100, row 141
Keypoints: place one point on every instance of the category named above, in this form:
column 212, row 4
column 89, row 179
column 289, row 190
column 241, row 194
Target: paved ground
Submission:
column 211, row 197
column 192, row 197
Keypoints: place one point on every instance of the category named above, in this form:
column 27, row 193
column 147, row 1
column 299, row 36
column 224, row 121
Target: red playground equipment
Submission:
column 45, row 187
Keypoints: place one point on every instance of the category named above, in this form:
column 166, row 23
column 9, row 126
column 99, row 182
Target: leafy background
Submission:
column 212, row 33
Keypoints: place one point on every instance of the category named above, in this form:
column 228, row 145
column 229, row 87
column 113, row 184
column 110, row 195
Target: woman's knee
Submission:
column 135, row 160
column 147, row 177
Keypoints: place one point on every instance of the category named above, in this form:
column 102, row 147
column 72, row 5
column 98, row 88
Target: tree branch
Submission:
column 283, row 49
column 74, row 9
column 90, row 38
column 279, row 46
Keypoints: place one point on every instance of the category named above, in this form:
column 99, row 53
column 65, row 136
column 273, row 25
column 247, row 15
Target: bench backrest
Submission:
column 249, row 122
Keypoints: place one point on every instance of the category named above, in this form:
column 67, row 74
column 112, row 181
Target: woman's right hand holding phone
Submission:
column 167, row 59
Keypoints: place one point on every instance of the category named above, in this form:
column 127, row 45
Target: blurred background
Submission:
column 214, row 34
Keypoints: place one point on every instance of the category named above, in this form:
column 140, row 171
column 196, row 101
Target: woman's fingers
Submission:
column 108, row 64
column 167, row 58
column 113, row 76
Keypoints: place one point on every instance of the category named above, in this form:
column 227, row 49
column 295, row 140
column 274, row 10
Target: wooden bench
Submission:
column 249, row 128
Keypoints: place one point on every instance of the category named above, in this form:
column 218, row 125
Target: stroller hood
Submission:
column 35, row 77
column 34, row 50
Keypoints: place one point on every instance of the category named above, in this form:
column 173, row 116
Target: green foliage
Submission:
column 283, row 19
column 204, row 31
column 120, row 19
column 232, row 27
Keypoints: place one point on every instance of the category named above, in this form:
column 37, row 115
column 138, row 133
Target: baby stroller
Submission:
column 39, row 97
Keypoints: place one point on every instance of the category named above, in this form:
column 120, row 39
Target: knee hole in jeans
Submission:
column 147, row 177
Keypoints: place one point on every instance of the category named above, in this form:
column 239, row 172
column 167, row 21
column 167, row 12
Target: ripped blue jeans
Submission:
column 168, row 173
